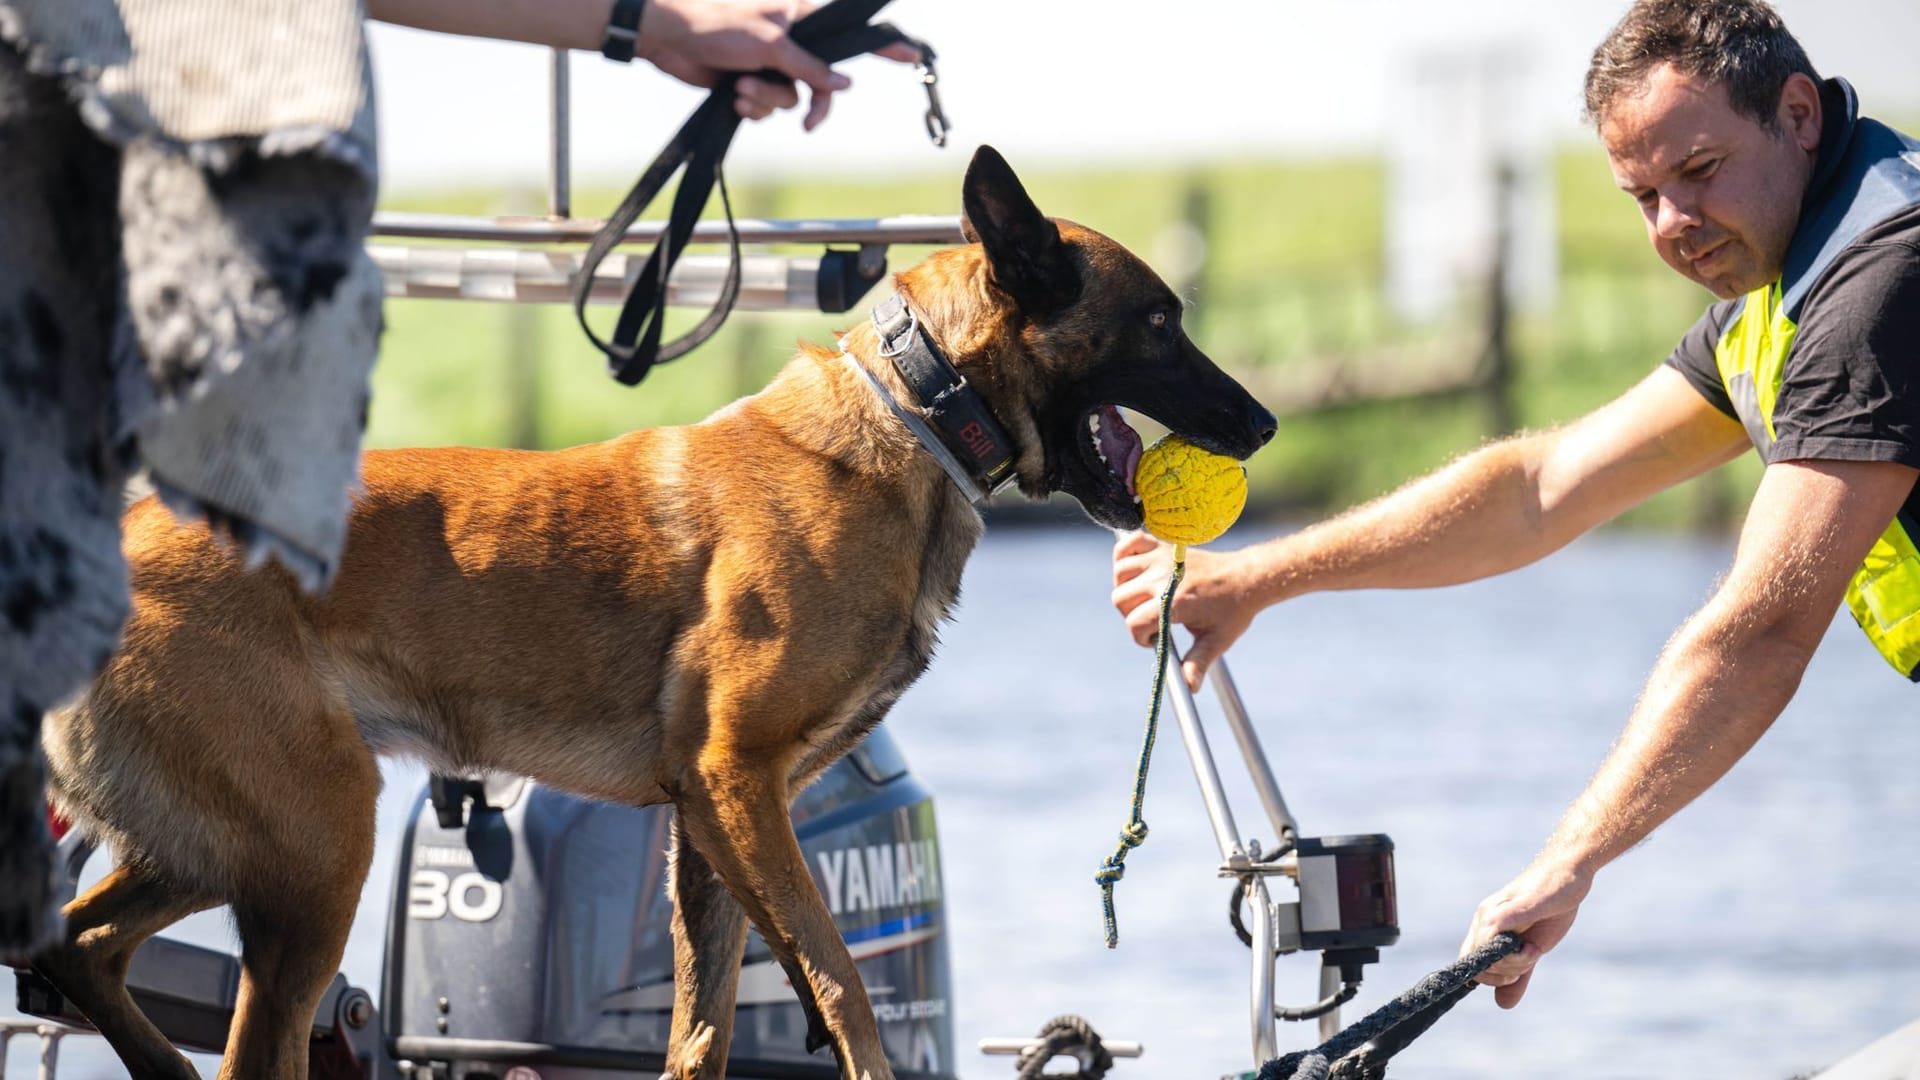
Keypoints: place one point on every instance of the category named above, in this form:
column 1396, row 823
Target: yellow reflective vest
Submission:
column 1875, row 175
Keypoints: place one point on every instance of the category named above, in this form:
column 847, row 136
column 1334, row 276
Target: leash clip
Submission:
column 937, row 125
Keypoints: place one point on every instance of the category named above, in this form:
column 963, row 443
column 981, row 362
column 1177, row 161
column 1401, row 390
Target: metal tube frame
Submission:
column 1236, row 854
column 517, row 274
column 1284, row 827
column 560, row 139
column 49, row 1034
column 902, row 229
column 1225, row 833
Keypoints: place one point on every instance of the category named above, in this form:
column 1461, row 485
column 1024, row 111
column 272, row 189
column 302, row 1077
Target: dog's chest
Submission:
column 950, row 538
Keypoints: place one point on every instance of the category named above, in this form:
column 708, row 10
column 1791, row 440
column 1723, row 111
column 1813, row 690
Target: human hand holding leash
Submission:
column 1215, row 602
column 699, row 41
column 1539, row 905
column 695, row 41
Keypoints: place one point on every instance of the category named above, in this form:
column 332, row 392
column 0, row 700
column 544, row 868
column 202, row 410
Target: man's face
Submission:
column 1720, row 192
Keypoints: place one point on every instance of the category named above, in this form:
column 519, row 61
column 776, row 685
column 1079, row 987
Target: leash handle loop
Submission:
column 834, row 32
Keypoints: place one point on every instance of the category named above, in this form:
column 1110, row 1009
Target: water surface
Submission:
column 1766, row 931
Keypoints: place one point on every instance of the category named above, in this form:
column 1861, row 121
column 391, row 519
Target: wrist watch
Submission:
column 623, row 30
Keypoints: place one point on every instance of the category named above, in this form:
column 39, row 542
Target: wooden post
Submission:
column 1196, row 210
column 1495, row 375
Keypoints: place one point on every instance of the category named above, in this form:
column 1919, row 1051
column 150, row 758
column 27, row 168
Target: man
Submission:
column 1759, row 181
column 182, row 288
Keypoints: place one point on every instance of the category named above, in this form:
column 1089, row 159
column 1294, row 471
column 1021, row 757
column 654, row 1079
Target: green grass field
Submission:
column 1294, row 273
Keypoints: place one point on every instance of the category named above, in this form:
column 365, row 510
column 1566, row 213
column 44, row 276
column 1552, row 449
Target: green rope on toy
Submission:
column 1135, row 832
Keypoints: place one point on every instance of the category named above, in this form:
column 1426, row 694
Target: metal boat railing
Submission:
column 1240, row 858
column 509, row 266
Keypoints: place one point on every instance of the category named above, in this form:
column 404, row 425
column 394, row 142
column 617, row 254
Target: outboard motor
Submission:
column 530, row 934
column 530, row 941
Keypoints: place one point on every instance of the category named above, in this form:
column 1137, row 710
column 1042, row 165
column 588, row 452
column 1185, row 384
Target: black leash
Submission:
column 833, row 33
column 1360, row 1051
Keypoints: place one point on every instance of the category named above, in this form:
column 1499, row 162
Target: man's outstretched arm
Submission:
column 1498, row 508
column 1716, row 688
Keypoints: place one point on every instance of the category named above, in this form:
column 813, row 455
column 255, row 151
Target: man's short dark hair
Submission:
column 1740, row 44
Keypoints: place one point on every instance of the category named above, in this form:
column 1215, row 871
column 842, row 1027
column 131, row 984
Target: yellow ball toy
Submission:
column 1187, row 495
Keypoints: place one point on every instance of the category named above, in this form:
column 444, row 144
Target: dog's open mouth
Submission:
column 1116, row 444
column 1097, row 466
column 1095, row 453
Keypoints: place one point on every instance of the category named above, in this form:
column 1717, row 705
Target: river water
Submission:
column 1765, row 932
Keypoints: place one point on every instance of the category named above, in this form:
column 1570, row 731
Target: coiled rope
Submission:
column 1066, row 1035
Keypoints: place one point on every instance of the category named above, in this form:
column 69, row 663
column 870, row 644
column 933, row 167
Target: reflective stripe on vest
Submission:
column 1884, row 594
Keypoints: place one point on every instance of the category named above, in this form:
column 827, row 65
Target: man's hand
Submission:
column 698, row 41
column 695, row 41
column 1213, row 602
column 1539, row 905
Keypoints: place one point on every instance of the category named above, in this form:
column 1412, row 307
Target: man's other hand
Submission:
column 1539, row 905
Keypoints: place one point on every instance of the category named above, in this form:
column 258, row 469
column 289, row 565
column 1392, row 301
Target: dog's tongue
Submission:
column 1119, row 445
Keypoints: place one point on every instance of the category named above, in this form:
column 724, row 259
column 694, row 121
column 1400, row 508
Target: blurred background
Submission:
column 1334, row 188
column 1389, row 220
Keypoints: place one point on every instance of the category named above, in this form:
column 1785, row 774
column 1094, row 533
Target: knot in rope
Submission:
column 1132, row 835
column 1360, row 1051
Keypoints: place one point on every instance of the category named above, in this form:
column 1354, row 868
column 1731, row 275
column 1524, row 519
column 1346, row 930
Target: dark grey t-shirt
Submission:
column 1850, row 390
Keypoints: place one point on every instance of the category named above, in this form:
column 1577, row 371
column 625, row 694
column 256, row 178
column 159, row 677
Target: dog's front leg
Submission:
column 709, row 935
column 737, row 815
column 707, row 963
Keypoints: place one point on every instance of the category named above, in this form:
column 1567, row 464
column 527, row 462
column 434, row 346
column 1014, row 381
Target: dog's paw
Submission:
column 685, row 1063
column 29, row 916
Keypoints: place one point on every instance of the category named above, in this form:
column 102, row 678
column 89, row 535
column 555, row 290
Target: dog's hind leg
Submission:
column 294, row 909
column 104, row 927
column 737, row 816
column 709, row 935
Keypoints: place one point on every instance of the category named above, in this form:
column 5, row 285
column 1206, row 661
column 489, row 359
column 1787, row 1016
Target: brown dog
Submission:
column 706, row 615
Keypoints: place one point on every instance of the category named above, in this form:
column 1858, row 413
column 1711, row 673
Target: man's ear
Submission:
column 1025, row 256
column 1799, row 111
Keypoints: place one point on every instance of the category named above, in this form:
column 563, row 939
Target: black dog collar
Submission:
column 957, row 427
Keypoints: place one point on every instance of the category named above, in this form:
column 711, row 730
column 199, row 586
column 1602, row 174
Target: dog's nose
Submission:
column 1263, row 422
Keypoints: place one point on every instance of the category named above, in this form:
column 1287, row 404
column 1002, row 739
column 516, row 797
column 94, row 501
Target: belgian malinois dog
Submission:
column 704, row 615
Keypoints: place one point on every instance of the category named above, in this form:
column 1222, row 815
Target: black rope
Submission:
column 1069, row 1035
column 1360, row 1051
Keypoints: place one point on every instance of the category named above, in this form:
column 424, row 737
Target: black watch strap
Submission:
column 623, row 30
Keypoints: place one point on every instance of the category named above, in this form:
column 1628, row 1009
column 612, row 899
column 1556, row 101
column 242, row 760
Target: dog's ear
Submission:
column 1024, row 252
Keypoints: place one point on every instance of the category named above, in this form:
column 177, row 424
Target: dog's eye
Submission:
column 1158, row 320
